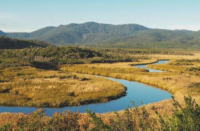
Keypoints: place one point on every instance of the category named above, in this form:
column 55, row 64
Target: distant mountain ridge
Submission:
column 86, row 33
column 107, row 35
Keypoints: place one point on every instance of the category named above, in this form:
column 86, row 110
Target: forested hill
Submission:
column 157, row 38
column 86, row 33
column 165, row 39
column 10, row 43
column 117, row 36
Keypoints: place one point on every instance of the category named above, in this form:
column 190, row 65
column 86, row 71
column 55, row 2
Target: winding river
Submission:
column 136, row 92
column 153, row 70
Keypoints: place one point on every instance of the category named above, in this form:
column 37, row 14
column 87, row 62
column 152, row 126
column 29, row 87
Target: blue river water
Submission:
column 152, row 70
column 136, row 92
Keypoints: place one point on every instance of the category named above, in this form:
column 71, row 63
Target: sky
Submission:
column 30, row 15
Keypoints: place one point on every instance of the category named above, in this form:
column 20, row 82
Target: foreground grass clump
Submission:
column 182, row 118
column 28, row 86
column 38, row 121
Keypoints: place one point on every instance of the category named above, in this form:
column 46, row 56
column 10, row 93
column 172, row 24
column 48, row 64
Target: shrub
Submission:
column 185, row 118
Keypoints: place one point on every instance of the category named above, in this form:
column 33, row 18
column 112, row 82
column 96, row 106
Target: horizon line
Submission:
column 33, row 30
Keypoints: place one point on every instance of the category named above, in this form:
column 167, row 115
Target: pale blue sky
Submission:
column 30, row 15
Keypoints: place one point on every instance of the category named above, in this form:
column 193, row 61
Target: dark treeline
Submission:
column 10, row 43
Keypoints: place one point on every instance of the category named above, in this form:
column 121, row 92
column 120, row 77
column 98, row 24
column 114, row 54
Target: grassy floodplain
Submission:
column 28, row 86
column 71, row 81
column 181, row 76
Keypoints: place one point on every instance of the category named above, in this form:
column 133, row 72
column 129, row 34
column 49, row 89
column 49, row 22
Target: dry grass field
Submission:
column 181, row 77
column 28, row 86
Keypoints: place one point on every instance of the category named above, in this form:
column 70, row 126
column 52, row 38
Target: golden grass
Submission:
column 27, row 86
column 177, row 80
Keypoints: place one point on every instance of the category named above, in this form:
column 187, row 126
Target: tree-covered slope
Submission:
column 188, row 41
column 155, row 38
column 86, row 33
column 33, row 35
column 10, row 43
column 119, row 36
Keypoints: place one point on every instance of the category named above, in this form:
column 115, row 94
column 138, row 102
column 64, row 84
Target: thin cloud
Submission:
column 13, row 29
column 3, row 24
column 186, row 27
column 8, row 16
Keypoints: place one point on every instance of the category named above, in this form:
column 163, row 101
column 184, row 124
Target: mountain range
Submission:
column 107, row 35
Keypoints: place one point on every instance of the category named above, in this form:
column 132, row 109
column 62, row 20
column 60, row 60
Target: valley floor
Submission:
column 181, row 77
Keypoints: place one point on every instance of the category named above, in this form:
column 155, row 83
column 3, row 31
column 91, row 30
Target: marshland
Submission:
column 84, row 76
column 108, row 65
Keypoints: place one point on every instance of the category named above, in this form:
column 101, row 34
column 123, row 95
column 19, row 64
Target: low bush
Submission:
column 183, row 118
